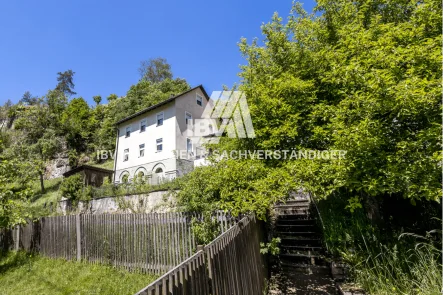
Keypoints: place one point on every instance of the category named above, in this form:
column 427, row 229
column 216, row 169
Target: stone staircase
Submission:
column 302, row 266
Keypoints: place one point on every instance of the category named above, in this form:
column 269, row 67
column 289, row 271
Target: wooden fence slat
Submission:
column 155, row 243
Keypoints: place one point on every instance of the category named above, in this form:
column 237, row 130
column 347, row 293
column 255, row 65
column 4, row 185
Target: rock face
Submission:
column 57, row 167
column 159, row 201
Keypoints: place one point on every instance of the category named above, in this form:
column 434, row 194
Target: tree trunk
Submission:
column 42, row 185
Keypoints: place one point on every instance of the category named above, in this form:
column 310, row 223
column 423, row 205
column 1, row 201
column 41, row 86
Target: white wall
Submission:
column 173, row 132
column 148, row 137
column 183, row 104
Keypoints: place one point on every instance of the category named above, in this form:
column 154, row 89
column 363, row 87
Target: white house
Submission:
column 154, row 143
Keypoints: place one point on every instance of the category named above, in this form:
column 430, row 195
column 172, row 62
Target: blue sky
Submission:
column 104, row 42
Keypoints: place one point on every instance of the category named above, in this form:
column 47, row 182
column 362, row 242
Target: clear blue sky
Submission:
column 104, row 41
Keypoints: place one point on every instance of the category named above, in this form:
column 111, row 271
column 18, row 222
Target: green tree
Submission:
column 39, row 139
column 77, row 122
column 358, row 76
column 66, row 82
column 14, row 191
column 97, row 99
column 28, row 98
column 155, row 70
column 362, row 76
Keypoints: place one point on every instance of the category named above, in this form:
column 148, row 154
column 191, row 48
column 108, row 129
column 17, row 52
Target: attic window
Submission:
column 128, row 131
column 199, row 100
column 160, row 119
column 143, row 125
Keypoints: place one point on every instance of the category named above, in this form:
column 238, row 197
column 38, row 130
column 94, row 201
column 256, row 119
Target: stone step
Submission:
column 301, row 252
column 303, row 268
column 292, row 211
column 301, row 248
column 292, row 204
column 284, row 221
column 300, row 234
column 303, row 259
column 296, row 202
column 295, row 228
column 293, row 216
column 294, row 241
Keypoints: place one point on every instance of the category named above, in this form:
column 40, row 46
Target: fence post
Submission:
column 17, row 238
column 79, row 237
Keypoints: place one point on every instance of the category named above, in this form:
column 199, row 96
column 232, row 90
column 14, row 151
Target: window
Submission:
column 128, row 131
column 160, row 119
column 199, row 100
column 188, row 119
column 211, row 129
column 159, row 144
column 143, row 125
column 125, row 155
column 141, row 177
column 141, row 150
column 189, row 145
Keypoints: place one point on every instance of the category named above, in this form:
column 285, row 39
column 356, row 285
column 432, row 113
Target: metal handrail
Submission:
column 321, row 219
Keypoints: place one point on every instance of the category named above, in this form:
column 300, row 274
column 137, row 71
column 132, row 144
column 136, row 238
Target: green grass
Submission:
column 395, row 270
column 383, row 259
column 109, row 164
column 21, row 274
column 51, row 193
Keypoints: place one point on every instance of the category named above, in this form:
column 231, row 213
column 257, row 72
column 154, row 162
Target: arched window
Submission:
column 159, row 173
column 124, row 177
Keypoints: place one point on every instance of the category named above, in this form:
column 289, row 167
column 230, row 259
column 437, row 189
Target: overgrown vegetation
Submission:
column 58, row 276
column 205, row 230
column 134, row 188
column 38, row 129
column 359, row 76
column 385, row 257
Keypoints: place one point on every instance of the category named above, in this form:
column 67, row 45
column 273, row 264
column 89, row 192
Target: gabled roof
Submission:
column 163, row 103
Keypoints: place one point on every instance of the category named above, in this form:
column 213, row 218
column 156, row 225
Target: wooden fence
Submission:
column 152, row 242
column 229, row 265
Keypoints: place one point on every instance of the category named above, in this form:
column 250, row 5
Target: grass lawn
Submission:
column 109, row 164
column 25, row 275
column 51, row 193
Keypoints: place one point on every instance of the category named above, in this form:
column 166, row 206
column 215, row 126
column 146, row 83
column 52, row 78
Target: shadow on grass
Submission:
column 51, row 186
column 11, row 260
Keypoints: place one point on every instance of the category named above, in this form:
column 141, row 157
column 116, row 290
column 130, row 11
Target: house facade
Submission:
column 155, row 143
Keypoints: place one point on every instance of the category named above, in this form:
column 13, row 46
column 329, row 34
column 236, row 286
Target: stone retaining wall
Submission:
column 158, row 201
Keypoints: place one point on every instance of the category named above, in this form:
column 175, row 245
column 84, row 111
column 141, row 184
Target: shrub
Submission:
column 72, row 187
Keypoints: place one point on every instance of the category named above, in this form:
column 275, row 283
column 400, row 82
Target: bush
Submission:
column 133, row 188
column 72, row 187
column 205, row 230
